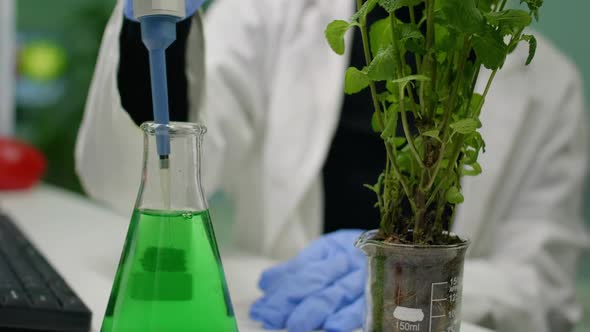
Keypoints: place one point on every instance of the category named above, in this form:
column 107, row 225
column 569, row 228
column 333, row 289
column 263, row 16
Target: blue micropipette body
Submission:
column 158, row 33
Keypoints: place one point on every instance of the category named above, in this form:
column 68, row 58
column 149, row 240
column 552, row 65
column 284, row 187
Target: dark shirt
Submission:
column 356, row 156
column 133, row 77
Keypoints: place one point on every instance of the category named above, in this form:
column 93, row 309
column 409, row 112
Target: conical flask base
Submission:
column 170, row 277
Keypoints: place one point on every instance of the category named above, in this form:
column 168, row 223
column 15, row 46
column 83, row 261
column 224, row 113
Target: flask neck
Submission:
column 177, row 187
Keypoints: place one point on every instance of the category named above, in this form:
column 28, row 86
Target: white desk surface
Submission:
column 83, row 241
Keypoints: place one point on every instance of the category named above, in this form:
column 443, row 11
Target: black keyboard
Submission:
column 33, row 296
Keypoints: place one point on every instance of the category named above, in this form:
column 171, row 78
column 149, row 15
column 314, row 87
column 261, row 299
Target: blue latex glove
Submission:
column 191, row 8
column 321, row 288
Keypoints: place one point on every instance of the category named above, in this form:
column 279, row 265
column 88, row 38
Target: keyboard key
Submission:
column 43, row 299
column 13, row 298
column 72, row 303
column 34, row 286
column 60, row 289
column 22, row 268
column 6, row 285
column 41, row 265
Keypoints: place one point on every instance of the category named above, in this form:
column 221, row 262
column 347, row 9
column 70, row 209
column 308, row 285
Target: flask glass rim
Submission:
column 174, row 129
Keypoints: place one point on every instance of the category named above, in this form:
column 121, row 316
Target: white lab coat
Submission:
column 274, row 93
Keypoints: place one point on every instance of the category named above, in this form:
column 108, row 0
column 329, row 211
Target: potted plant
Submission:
column 422, row 73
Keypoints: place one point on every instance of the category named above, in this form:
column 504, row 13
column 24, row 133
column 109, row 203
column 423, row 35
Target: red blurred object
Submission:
column 21, row 165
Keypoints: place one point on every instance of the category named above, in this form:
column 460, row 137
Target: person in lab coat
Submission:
column 279, row 122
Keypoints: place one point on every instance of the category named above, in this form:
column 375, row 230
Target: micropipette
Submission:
column 158, row 31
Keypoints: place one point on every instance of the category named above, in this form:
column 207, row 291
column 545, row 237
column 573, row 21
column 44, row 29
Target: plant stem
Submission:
column 378, row 290
column 435, row 192
column 456, row 85
column 392, row 153
column 416, row 55
column 420, row 216
column 409, row 138
column 427, row 65
column 368, row 59
column 473, row 85
column 452, row 165
column 430, row 41
column 429, row 23
column 485, row 93
column 383, row 198
column 402, row 103
column 446, row 118
column 437, row 166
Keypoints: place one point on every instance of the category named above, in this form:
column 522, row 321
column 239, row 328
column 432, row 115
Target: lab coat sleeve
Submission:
column 235, row 92
column 528, row 284
column 109, row 146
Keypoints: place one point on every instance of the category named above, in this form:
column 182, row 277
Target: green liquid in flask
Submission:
column 170, row 277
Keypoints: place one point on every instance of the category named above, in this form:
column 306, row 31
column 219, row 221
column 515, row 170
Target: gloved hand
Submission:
column 321, row 288
column 191, row 8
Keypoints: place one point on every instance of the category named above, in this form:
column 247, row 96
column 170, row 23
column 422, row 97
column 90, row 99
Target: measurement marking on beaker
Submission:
column 439, row 316
column 439, row 300
column 432, row 300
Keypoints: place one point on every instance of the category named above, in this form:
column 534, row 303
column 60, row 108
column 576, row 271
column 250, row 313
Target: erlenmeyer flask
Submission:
column 170, row 276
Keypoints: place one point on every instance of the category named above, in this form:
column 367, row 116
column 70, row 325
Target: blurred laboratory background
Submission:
column 57, row 44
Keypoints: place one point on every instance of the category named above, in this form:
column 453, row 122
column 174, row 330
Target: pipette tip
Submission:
column 164, row 162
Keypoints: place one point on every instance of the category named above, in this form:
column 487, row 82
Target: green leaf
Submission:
column 473, row 170
column 454, row 196
column 490, row 49
column 470, row 156
column 415, row 46
column 393, row 5
column 405, row 80
column 391, row 126
column 375, row 123
column 510, row 19
column 374, row 189
column 434, row 133
column 404, row 160
column 366, row 8
column 380, row 35
column 383, row 65
column 355, row 81
column 466, row 126
column 532, row 47
column 444, row 40
column 412, row 38
column 463, row 15
column 402, row 82
column 393, row 89
column 335, row 35
column 534, row 6
column 399, row 141
column 486, row 5
column 476, row 142
column 409, row 31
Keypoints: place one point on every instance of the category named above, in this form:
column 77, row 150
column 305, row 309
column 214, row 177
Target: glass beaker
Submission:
column 170, row 276
column 413, row 287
